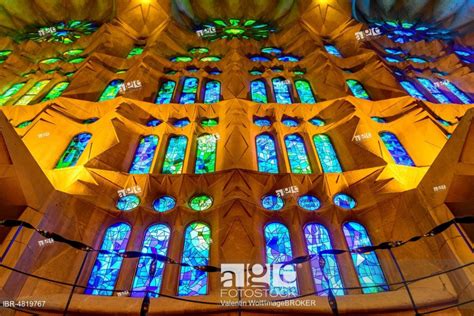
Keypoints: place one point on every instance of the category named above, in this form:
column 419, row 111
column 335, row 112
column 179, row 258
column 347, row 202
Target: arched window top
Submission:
column 175, row 154
column 74, row 150
column 326, row 153
column 206, row 154
column 33, row 92
column 281, row 89
column 303, row 87
column 107, row 266
column 267, row 160
column 212, row 91
column 56, row 91
column 396, row 149
column 111, row 90
column 297, row 154
column 412, row 90
column 357, row 89
column 165, row 94
column 197, row 241
column 144, row 155
column 258, row 91
column 188, row 93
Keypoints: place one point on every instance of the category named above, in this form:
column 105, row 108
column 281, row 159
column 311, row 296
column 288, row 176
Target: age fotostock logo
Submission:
column 257, row 280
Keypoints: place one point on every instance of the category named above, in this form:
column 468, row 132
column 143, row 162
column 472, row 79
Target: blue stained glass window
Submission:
column 462, row 53
column 290, row 122
column 299, row 162
column 326, row 153
column 317, row 240
column 281, row 89
column 331, row 49
column 444, row 123
column 289, row 58
column 378, row 119
column 267, row 160
column 206, row 154
column 164, row 203
column 181, row 123
column 396, row 149
column 259, row 58
column 412, row 90
column 317, row 121
column 305, row 92
column 278, row 250
column 394, row 51
column 258, row 91
column 197, row 240
column 155, row 242
column 165, row 94
column 107, row 266
column 309, row 202
column 458, row 93
column 272, row 202
column 111, row 90
column 128, row 202
column 74, row 150
column 212, row 92
column 367, row 265
column 344, row 201
column 357, row 89
column 144, row 155
column 417, row 60
column 188, row 95
column 393, row 59
column 153, row 123
column 433, row 90
column 260, row 121
column 174, row 158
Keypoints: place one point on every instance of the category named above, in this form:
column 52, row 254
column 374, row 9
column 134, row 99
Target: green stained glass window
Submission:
column 5, row 97
column 209, row 122
column 4, row 53
column 210, row 58
column 31, row 94
column 181, row 59
column 56, row 92
column 206, row 154
column 135, row 51
column 305, row 93
column 73, row 52
column 63, row 32
column 200, row 202
column 128, row 202
column 272, row 50
column 77, row 60
column 175, row 154
column 165, row 95
column 326, row 153
column 198, row 50
column 49, row 61
column 297, row 155
column 74, row 150
column 188, row 94
column 357, row 89
column 235, row 28
column 111, row 90
column 121, row 71
column 24, row 124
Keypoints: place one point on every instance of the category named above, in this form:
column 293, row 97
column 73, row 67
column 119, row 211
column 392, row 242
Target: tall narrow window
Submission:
column 305, row 92
column 197, row 240
column 174, row 158
column 331, row 49
column 155, row 242
column 297, row 155
column 212, row 92
column 266, row 154
column 357, row 89
column 317, row 240
column 107, row 266
column 438, row 95
column 144, row 155
column 5, row 97
column 206, row 154
column 111, row 90
column 326, row 153
column 31, row 94
column 458, row 93
column 367, row 265
column 278, row 250
column 165, row 95
column 396, row 149
column 188, row 94
column 281, row 89
column 258, row 91
column 56, row 92
column 412, row 90
column 74, row 150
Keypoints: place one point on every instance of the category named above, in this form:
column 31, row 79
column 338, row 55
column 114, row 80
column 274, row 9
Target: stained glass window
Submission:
column 317, row 121
column 305, row 93
column 153, row 123
column 165, row 95
column 206, row 154
column 309, row 202
column 235, row 28
column 299, row 162
column 181, row 59
column 391, row 59
column 174, row 157
column 74, row 150
column 412, row 90
column 261, row 121
column 77, row 60
column 164, row 203
column 212, row 91
column 128, row 202
column 258, row 91
column 357, row 89
column 458, row 93
column 344, row 201
column 440, row 97
column 278, row 250
column 326, row 153
column 144, row 155
column 290, row 122
column 73, row 52
column 255, row 72
column 267, row 160
column 135, row 51
column 188, row 94
column 367, row 265
column 198, row 50
column 281, row 89
column 181, row 123
column 210, row 59
column 317, row 240
column 49, row 61
column 271, row 50
column 417, row 60
column 111, row 90
column 10, row 92
column 107, row 266
column 209, row 122
column 259, row 58
column 24, row 124
column 396, row 149
column 289, row 58
column 272, row 202
column 64, row 32
column 200, row 202
column 197, row 240
column 31, row 94
column 331, row 49
column 378, row 119
column 56, row 91
column 90, row 120
column 215, row 71
column 155, row 242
